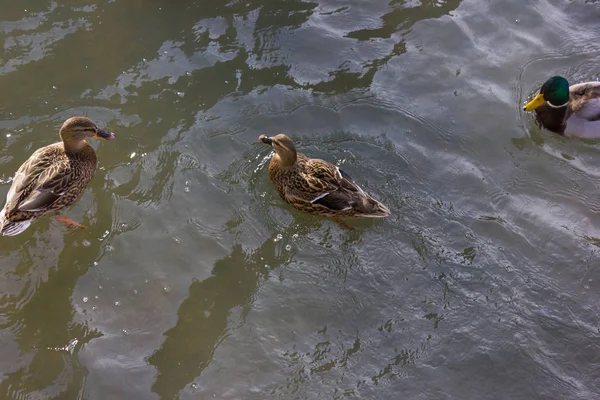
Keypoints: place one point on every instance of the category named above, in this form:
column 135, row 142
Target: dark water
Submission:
column 194, row 280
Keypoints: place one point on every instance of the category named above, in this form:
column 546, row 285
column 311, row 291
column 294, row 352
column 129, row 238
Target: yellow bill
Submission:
column 535, row 103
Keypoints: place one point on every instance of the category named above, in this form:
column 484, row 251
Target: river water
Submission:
column 195, row 281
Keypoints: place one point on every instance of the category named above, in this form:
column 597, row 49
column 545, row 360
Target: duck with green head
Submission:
column 568, row 110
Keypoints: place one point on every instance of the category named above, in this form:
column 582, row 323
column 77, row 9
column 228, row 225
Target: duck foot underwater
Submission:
column 69, row 223
column 344, row 224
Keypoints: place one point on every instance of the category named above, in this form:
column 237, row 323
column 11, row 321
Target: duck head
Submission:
column 555, row 91
column 76, row 129
column 283, row 146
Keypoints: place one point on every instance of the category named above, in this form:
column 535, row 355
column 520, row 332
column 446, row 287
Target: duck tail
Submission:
column 375, row 209
column 11, row 228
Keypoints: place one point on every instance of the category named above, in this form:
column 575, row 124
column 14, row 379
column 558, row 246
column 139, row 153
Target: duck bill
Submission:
column 104, row 135
column 265, row 139
column 535, row 103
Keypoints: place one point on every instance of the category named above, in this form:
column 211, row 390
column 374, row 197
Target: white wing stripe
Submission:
column 319, row 197
column 339, row 172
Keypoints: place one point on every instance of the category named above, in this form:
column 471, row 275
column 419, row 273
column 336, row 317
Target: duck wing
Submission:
column 48, row 190
column 327, row 185
column 585, row 100
column 39, row 182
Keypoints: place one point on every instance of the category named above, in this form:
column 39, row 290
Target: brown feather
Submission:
column 553, row 119
column 316, row 186
column 54, row 177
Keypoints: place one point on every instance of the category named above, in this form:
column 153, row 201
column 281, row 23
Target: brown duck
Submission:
column 316, row 186
column 53, row 178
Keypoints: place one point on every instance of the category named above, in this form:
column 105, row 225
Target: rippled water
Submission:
column 195, row 281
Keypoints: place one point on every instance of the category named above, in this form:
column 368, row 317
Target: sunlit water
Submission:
column 195, row 281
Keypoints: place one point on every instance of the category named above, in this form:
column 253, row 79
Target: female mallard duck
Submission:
column 53, row 177
column 568, row 111
column 316, row 186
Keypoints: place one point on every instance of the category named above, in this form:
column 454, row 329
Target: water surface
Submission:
column 195, row 281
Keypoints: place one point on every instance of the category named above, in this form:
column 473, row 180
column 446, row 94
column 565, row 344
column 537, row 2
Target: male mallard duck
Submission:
column 316, row 186
column 568, row 111
column 54, row 177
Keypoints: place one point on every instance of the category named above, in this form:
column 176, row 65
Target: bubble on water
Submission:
column 126, row 332
column 146, row 281
column 295, row 236
column 517, row 21
column 278, row 237
column 96, row 297
column 188, row 73
column 99, row 287
column 132, row 155
column 8, row 135
column 94, row 308
column 288, row 247
column 85, row 299
column 177, row 240
column 180, row 94
column 95, row 263
column 193, row 385
column 117, row 303
column 110, row 248
column 86, row 243
column 53, row 87
column 186, row 189
column 135, row 291
column 206, row 313
column 166, row 289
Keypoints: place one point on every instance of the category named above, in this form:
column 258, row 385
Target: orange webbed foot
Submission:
column 345, row 225
column 69, row 223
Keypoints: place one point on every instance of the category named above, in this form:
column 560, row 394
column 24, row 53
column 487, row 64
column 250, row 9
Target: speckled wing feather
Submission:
column 27, row 174
column 325, row 184
column 48, row 190
column 40, row 181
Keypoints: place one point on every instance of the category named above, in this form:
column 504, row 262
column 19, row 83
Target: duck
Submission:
column 53, row 177
column 568, row 110
column 316, row 186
